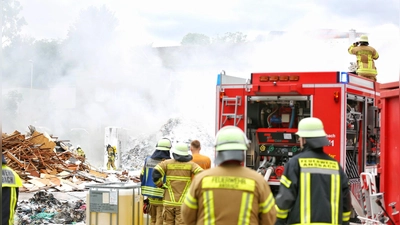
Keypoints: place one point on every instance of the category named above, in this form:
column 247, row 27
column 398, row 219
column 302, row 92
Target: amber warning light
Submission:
column 279, row 78
column 336, row 96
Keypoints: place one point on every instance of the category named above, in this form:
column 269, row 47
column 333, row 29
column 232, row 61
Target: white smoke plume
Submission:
column 111, row 82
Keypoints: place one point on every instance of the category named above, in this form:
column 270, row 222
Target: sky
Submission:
column 166, row 22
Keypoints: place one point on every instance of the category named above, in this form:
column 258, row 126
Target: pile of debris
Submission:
column 44, row 208
column 43, row 162
column 177, row 130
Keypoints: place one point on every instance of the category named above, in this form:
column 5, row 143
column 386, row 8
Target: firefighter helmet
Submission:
column 363, row 38
column 231, row 142
column 181, row 149
column 312, row 129
column 164, row 144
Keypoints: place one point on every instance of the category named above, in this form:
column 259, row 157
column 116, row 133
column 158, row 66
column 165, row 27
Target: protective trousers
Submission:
column 156, row 214
column 110, row 162
column 172, row 216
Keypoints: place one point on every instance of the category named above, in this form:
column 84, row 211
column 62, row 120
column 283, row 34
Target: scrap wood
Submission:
column 37, row 183
column 15, row 159
column 97, row 174
column 69, row 183
column 35, row 155
column 40, row 138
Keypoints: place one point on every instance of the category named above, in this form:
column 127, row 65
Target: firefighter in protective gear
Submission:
column 149, row 189
column 10, row 184
column 112, row 153
column 313, row 188
column 229, row 193
column 365, row 58
column 79, row 151
column 175, row 175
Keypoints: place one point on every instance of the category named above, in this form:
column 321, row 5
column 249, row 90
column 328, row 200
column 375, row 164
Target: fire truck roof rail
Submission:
column 226, row 79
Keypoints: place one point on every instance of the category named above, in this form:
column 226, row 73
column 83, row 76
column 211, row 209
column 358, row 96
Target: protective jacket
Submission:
column 148, row 187
column 80, row 152
column 229, row 195
column 178, row 177
column 365, row 59
column 10, row 184
column 314, row 190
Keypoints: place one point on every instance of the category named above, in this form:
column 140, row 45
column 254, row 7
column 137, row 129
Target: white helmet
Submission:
column 312, row 129
column 363, row 38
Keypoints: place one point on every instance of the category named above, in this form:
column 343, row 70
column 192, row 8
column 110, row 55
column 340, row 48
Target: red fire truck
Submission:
column 268, row 107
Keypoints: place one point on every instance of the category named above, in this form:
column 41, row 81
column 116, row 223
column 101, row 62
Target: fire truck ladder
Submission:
column 230, row 101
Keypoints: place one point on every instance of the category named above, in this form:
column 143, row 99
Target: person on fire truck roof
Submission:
column 229, row 193
column 365, row 58
column 155, row 195
column 177, row 174
column 313, row 188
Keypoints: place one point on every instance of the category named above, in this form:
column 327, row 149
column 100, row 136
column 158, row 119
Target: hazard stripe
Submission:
column 346, row 216
column 208, row 203
column 281, row 213
column 335, row 194
column 245, row 208
column 285, row 181
column 305, row 198
column 190, row 201
column 267, row 205
column 13, row 202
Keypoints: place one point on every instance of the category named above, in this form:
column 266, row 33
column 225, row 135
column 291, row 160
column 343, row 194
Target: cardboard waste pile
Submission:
column 45, row 163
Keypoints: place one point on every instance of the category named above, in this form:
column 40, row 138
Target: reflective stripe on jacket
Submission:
column 314, row 190
column 365, row 59
column 229, row 195
column 178, row 177
column 10, row 184
column 9, row 177
column 148, row 187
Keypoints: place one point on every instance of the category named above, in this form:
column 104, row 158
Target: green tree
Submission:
column 231, row 38
column 24, row 54
column 11, row 22
column 10, row 103
column 94, row 26
column 195, row 39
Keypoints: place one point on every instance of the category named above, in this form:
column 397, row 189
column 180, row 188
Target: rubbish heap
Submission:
column 47, row 165
column 43, row 162
column 43, row 208
column 177, row 130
